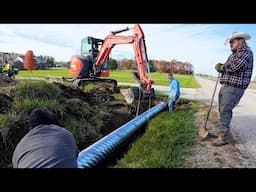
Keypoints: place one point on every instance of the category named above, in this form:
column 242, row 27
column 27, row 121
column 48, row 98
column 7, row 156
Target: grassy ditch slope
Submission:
column 89, row 115
column 168, row 139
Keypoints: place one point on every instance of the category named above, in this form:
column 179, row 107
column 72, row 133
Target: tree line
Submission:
column 11, row 57
column 160, row 66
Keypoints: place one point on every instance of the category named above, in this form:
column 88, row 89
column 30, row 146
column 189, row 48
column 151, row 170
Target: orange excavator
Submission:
column 93, row 62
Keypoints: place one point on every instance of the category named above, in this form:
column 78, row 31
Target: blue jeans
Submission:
column 229, row 97
column 171, row 103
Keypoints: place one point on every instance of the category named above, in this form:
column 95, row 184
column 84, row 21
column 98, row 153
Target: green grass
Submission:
column 37, row 94
column 4, row 120
column 88, row 87
column 186, row 81
column 85, row 132
column 29, row 104
column 168, row 138
column 36, row 90
column 44, row 73
column 118, row 96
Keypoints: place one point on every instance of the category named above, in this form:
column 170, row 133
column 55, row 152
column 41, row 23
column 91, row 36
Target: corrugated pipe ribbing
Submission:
column 94, row 155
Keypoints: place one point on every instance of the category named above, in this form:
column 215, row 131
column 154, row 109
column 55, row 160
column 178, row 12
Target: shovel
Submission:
column 203, row 132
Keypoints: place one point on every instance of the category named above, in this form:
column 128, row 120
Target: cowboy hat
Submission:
column 235, row 35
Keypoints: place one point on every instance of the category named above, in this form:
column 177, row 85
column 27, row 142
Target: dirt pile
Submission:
column 5, row 104
column 89, row 115
column 6, row 81
column 204, row 155
column 92, row 96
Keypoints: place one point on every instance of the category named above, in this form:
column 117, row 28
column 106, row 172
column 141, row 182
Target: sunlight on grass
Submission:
column 168, row 138
column 186, row 81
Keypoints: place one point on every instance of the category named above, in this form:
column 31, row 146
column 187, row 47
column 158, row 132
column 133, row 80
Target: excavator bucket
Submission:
column 131, row 94
column 135, row 94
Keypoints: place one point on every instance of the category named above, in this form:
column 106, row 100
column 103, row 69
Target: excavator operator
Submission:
column 7, row 67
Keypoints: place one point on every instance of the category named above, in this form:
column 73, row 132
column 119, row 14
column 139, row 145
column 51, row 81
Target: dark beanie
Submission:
column 42, row 116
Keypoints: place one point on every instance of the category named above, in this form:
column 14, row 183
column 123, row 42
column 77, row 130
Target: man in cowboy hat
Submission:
column 235, row 77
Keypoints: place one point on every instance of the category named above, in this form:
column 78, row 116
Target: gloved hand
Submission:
column 219, row 67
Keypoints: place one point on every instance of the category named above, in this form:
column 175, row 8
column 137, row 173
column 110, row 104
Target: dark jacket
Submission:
column 46, row 146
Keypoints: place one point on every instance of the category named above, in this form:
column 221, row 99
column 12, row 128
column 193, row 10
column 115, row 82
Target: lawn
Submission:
column 166, row 142
column 186, row 81
column 44, row 73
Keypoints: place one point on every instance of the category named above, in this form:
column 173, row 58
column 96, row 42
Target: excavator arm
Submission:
column 138, row 42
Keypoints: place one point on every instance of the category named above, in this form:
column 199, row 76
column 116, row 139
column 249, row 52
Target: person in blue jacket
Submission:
column 174, row 93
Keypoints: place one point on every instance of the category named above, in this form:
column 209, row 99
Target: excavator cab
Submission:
column 82, row 64
column 90, row 46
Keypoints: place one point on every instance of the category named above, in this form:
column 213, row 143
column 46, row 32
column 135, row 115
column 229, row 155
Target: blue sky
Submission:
column 200, row 44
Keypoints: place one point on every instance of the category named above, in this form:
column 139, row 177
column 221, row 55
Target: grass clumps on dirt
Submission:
column 89, row 114
column 4, row 120
column 28, row 105
column 37, row 90
column 85, row 132
column 84, row 121
column 37, row 94
column 168, row 138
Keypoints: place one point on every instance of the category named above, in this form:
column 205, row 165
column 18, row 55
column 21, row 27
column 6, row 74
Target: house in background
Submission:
column 18, row 62
column 40, row 61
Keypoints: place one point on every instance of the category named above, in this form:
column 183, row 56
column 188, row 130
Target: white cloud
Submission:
column 202, row 45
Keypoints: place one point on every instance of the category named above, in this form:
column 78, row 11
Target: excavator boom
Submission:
column 92, row 62
column 138, row 42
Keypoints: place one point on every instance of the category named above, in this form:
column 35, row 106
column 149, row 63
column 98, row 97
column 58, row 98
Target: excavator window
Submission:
column 85, row 46
column 90, row 46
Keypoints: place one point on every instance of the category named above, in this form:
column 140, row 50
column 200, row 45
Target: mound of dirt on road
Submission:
column 89, row 115
column 204, row 155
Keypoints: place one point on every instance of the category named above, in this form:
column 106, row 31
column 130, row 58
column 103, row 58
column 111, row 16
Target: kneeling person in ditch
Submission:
column 46, row 145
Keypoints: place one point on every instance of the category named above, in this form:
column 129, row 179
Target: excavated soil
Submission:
column 92, row 105
column 204, row 155
column 5, row 104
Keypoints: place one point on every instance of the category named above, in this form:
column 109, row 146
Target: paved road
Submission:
column 243, row 125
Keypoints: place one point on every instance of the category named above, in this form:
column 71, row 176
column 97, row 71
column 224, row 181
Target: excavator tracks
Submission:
column 111, row 84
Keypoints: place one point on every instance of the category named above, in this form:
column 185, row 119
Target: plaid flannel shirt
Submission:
column 238, row 69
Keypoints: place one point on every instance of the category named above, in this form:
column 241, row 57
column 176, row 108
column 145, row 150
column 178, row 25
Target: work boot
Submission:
column 214, row 132
column 221, row 140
